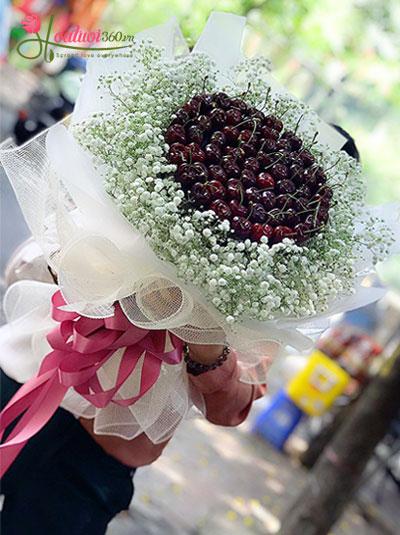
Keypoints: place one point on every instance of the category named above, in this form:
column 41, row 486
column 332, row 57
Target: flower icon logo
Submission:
column 31, row 23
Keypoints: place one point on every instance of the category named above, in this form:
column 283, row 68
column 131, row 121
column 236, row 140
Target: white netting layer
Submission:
column 101, row 259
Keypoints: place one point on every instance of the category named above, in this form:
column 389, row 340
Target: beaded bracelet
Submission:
column 196, row 368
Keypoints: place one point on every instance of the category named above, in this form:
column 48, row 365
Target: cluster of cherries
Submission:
column 242, row 164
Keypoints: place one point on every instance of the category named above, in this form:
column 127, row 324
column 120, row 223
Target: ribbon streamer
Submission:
column 80, row 347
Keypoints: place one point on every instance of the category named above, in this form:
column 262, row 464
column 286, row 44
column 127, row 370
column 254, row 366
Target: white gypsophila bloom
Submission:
column 255, row 280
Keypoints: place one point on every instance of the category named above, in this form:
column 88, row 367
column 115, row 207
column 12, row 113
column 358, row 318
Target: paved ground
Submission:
column 220, row 481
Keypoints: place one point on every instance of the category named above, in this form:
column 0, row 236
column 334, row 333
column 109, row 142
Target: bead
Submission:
column 196, row 368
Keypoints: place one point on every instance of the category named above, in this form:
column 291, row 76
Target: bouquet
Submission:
column 188, row 199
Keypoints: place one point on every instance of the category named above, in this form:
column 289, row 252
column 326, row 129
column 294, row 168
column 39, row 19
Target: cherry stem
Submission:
column 248, row 120
column 276, row 161
column 247, row 90
column 267, row 94
column 332, row 166
column 250, row 213
column 298, row 123
column 314, row 229
column 254, row 131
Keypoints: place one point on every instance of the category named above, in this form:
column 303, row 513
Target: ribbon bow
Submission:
column 80, row 347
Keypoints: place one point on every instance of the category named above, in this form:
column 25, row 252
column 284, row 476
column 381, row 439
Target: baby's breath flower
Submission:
column 241, row 279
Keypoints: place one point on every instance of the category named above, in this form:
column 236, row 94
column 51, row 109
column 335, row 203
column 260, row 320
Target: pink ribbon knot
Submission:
column 80, row 347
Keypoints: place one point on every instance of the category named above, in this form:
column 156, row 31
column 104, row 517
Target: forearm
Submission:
column 227, row 399
column 139, row 451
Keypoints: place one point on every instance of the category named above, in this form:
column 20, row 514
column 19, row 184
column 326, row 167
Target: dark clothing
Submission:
column 62, row 482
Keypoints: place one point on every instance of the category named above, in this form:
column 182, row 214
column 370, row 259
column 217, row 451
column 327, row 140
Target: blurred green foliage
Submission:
column 341, row 56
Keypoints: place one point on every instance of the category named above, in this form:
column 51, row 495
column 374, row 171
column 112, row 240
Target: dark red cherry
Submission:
column 238, row 209
column 300, row 204
column 268, row 200
column 304, row 191
column 258, row 115
column 213, row 153
column 195, row 133
column 286, row 134
column 201, row 194
column 178, row 147
column 233, row 116
column 307, row 158
column 257, row 213
column 231, row 168
column 190, row 108
column 269, row 146
column 326, row 192
column 181, row 117
column 222, row 100
column 239, row 104
column 245, row 136
column 186, row 180
column 218, row 117
column 195, row 154
column 218, row 138
column 238, row 153
column 178, row 153
column 257, row 231
column 302, row 232
column 285, row 186
column 275, row 217
column 250, row 148
column 265, row 160
column 231, row 133
column 183, row 168
column 283, row 145
column 269, row 133
column 273, row 122
column 216, row 189
column 175, row 134
column 320, row 175
column 200, row 171
column 234, row 189
column 284, row 201
column 252, row 164
column 268, row 231
column 295, row 173
column 221, row 209
column 291, row 217
column 322, row 216
column 217, row 173
column 295, row 143
column 248, row 178
column 280, row 171
column 252, row 194
column 204, row 122
column 265, row 181
column 241, row 227
column 281, row 232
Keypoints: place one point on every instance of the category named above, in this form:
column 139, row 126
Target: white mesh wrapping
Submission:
column 100, row 259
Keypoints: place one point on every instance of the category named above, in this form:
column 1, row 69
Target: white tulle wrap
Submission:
column 100, row 259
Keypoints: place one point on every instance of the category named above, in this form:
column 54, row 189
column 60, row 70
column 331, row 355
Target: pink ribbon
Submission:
column 80, row 347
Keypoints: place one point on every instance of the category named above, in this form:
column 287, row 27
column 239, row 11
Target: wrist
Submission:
column 197, row 367
column 205, row 354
